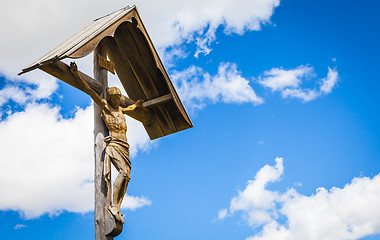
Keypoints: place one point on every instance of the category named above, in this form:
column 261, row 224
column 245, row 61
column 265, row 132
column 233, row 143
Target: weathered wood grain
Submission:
column 102, row 187
column 130, row 52
column 61, row 71
column 137, row 62
column 124, row 71
column 146, row 54
column 157, row 101
column 130, row 83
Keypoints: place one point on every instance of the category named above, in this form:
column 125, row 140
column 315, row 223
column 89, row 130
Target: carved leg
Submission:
column 119, row 190
column 123, row 188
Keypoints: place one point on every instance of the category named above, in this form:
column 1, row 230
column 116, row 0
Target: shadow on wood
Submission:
column 113, row 227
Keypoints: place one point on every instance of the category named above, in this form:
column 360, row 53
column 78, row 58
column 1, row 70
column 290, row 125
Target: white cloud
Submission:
column 288, row 82
column 171, row 55
column 132, row 203
column 204, row 42
column 25, row 91
column 305, row 95
column 222, row 213
column 278, row 79
column 330, row 81
column 34, row 28
column 19, row 226
column 197, row 88
column 183, row 20
column 350, row 212
column 12, row 93
column 48, row 162
column 256, row 200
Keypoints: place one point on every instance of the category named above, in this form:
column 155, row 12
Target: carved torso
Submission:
column 115, row 121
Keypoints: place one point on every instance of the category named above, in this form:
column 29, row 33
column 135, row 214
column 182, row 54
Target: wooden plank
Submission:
column 124, row 71
column 128, row 48
column 108, row 31
column 161, row 85
column 130, row 53
column 157, row 101
column 61, row 71
column 131, row 56
column 154, row 130
column 176, row 98
column 146, row 54
column 162, row 69
column 104, row 63
column 130, row 83
column 159, row 79
column 176, row 115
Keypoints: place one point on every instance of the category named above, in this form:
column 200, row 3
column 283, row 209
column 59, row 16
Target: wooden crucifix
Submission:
column 122, row 38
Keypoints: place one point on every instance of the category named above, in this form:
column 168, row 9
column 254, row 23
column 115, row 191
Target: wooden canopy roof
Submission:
column 136, row 62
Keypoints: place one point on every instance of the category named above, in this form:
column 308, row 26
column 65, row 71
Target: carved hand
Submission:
column 73, row 67
column 136, row 105
column 139, row 103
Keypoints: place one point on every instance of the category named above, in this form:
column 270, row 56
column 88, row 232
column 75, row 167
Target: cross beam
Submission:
column 61, row 71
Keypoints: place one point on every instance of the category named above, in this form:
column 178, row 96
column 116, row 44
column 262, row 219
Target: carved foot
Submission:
column 113, row 227
column 116, row 213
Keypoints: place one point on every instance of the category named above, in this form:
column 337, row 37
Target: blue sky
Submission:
column 284, row 99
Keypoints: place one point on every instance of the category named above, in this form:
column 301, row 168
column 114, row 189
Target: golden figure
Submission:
column 117, row 147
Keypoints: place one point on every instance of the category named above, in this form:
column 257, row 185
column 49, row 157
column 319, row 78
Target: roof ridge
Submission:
column 124, row 8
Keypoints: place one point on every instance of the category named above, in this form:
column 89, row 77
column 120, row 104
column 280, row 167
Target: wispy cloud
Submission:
column 289, row 82
column 222, row 213
column 330, row 81
column 197, row 88
column 19, row 226
column 132, row 202
column 350, row 212
column 305, row 95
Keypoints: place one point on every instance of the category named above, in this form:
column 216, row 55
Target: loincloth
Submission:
column 117, row 152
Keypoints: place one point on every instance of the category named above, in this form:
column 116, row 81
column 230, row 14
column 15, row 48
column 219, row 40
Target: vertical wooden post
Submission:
column 100, row 131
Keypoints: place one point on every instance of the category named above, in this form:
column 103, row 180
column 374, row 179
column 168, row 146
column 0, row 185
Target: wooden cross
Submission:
column 121, row 37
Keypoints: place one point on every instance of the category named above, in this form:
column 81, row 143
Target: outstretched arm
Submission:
column 133, row 107
column 139, row 112
column 85, row 87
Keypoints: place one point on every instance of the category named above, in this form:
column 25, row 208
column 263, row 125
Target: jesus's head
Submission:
column 113, row 96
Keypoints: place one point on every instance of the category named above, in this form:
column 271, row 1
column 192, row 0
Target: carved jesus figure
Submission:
column 117, row 147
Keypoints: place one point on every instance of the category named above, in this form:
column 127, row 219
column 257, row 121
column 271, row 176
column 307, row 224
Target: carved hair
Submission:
column 113, row 91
